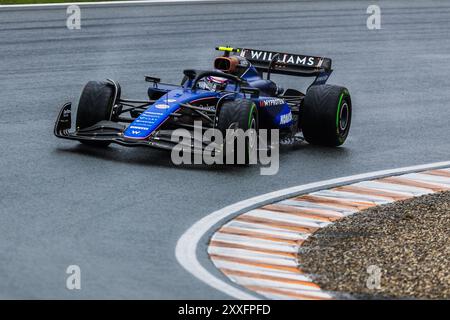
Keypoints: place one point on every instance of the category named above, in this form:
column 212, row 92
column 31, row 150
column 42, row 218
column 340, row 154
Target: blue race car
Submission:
column 237, row 94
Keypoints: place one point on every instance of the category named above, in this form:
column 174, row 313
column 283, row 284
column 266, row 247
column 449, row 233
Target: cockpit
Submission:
column 242, row 68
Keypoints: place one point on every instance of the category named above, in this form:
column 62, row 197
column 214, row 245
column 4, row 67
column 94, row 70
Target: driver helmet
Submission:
column 216, row 83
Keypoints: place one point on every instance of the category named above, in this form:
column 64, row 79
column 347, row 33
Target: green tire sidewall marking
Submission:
column 343, row 94
column 250, row 115
column 339, row 111
column 247, row 151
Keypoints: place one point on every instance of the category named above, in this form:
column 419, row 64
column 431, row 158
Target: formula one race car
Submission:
column 233, row 95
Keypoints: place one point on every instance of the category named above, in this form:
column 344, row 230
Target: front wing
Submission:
column 109, row 131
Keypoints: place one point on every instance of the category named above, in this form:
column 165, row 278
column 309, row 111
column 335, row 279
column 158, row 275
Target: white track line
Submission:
column 253, row 256
column 440, row 181
column 384, row 186
column 350, row 196
column 265, row 230
column 282, row 217
column 306, row 204
column 257, row 243
column 115, row 3
column 264, row 271
column 187, row 245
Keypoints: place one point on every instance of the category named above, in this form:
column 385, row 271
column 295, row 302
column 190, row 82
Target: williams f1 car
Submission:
column 237, row 93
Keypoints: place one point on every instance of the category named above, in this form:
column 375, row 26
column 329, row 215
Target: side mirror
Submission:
column 153, row 79
column 191, row 74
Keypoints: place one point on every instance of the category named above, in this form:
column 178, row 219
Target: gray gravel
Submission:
column 408, row 240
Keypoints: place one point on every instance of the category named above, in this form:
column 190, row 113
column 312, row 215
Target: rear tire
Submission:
column 96, row 103
column 239, row 114
column 326, row 115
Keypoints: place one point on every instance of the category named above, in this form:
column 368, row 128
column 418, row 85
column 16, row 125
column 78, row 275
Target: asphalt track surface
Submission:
column 118, row 213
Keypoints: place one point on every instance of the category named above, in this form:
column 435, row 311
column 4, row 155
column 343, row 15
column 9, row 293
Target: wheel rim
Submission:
column 252, row 136
column 233, row 126
column 344, row 115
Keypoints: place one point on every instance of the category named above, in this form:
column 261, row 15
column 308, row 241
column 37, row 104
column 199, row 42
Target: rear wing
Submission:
column 283, row 63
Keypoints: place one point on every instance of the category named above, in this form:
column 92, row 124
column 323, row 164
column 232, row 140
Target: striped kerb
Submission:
column 259, row 248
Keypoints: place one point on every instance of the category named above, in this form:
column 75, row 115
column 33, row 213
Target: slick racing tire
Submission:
column 96, row 104
column 239, row 114
column 326, row 115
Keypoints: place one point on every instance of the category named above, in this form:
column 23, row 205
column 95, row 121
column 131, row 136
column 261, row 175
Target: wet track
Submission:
column 118, row 213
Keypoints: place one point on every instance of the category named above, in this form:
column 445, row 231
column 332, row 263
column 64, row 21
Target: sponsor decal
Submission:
column 152, row 113
column 243, row 63
column 138, row 128
column 286, row 118
column 271, row 102
column 207, row 107
column 162, row 106
column 286, row 58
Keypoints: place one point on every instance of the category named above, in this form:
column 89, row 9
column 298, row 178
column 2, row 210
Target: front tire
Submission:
column 96, row 104
column 239, row 114
column 326, row 115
